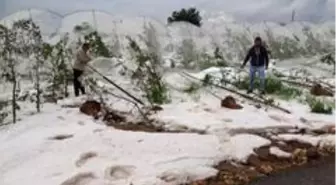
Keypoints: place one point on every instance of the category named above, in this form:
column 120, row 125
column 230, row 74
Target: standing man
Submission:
column 82, row 59
column 258, row 63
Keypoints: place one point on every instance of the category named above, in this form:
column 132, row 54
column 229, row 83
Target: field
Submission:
column 182, row 74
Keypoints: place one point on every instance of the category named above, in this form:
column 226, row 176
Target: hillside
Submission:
column 294, row 39
column 249, row 10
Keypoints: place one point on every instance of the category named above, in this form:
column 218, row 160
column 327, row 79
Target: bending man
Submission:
column 82, row 59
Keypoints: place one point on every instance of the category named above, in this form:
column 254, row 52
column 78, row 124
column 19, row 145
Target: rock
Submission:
column 230, row 103
column 318, row 90
column 91, row 108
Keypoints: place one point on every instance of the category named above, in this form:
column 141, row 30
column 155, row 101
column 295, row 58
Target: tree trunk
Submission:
column 54, row 86
column 13, row 93
column 64, row 77
column 66, row 84
column 38, row 92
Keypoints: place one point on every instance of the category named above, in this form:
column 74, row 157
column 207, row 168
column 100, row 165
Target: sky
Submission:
column 251, row 10
column 2, row 7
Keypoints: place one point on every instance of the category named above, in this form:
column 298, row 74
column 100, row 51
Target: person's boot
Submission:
column 249, row 91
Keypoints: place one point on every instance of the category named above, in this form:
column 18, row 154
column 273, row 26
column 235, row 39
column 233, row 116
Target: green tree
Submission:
column 29, row 44
column 98, row 46
column 9, row 62
column 190, row 15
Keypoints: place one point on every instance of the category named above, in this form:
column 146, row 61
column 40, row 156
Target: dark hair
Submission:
column 86, row 45
column 257, row 39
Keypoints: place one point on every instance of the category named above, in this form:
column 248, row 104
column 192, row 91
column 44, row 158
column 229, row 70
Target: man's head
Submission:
column 85, row 47
column 257, row 41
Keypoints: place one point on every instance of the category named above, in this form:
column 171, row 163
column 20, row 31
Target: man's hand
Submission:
column 242, row 66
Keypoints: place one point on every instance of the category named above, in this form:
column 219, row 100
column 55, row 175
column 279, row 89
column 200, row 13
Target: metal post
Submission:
column 293, row 16
column 94, row 20
column 30, row 15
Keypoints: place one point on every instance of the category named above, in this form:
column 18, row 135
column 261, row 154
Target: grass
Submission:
column 319, row 106
column 273, row 86
column 157, row 92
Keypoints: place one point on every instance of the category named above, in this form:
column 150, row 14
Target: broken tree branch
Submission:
column 122, row 98
column 310, row 83
column 242, row 95
column 210, row 92
column 302, row 84
column 117, row 86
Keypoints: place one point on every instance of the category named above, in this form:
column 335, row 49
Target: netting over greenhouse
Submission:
column 48, row 21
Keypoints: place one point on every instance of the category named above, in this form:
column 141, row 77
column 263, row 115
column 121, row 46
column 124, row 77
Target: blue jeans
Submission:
column 261, row 73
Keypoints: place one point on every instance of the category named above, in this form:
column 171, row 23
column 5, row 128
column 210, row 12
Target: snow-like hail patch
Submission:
column 70, row 146
column 72, row 102
column 241, row 146
column 328, row 140
column 313, row 140
column 61, row 144
column 227, row 73
column 279, row 153
column 46, row 20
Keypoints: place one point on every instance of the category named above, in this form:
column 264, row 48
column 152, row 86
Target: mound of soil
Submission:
column 230, row 103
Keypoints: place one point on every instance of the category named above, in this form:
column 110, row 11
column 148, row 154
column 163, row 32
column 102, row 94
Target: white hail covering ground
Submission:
column 27, row 154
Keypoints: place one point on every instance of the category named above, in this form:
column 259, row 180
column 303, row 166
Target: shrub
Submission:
column 188, row 53
column 59, row 58
column 147, row 74
column 207, row 80
column 319, row 106
column 207, row 61
column 190, row 15
column 329, row 59
column 99, row 48
column 83, row 28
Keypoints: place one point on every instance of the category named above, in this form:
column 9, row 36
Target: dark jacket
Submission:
column 257, row 60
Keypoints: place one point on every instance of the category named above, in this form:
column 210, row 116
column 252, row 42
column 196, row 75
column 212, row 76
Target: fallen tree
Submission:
column 117, row 86
column 254, row 99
